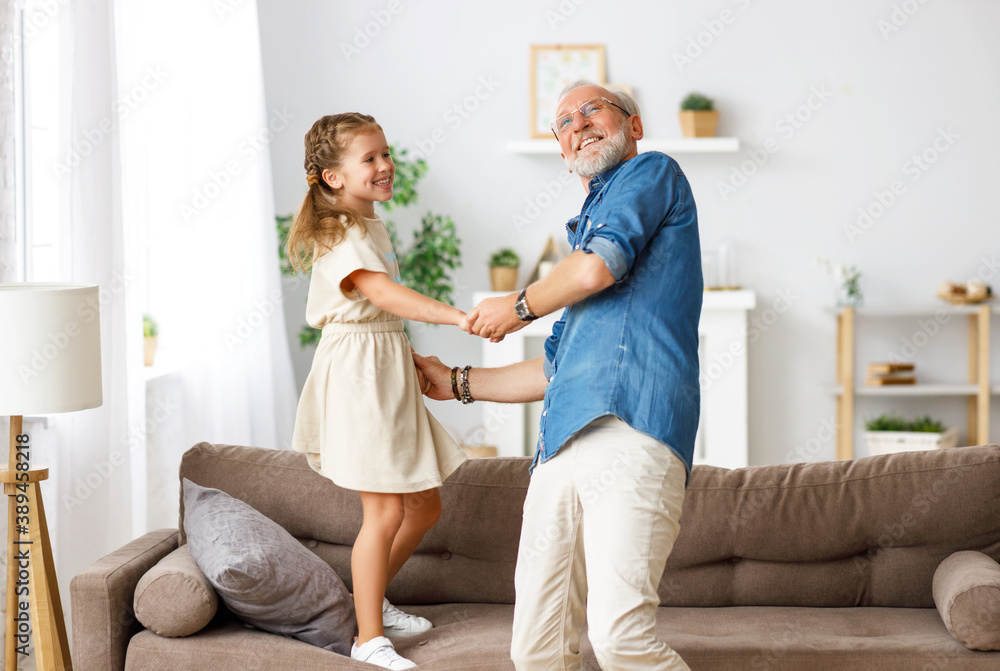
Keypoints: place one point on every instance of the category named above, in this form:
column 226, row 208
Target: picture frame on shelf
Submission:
column 552, row 68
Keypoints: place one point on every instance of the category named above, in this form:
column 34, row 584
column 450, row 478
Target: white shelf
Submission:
column 703, row 145
column 911, row 390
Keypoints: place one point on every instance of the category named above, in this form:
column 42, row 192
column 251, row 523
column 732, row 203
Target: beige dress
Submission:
column 361, row 417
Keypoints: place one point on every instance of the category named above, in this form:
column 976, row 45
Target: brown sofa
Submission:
column 787, row 567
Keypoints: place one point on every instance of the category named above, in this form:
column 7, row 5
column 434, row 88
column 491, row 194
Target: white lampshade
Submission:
column 50, row 348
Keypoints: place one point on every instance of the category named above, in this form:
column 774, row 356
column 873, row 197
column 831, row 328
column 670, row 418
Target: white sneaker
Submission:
column 379, row 651
column 397, row 623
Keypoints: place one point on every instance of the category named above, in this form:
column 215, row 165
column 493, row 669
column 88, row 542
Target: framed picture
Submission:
column 552, row 68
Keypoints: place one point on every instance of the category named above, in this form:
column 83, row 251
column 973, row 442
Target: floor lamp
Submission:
column 50, row 361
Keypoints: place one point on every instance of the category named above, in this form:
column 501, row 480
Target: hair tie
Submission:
column 312, row 180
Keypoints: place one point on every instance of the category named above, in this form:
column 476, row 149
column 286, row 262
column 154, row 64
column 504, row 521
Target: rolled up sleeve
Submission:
column 619, row 234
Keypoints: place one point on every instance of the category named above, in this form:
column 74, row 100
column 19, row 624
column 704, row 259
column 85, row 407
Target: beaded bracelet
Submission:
column 454, row 383
column 466, row 396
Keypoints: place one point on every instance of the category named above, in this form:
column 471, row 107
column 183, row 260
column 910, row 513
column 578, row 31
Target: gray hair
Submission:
column 621, row 97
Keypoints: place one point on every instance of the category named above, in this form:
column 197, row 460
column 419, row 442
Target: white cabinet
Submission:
column 722, row 434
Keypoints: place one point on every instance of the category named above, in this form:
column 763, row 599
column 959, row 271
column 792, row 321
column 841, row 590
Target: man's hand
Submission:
column 437, row 375
column 494, row 318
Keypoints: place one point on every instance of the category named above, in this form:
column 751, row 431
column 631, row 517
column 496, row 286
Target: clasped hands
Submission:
column 493, row 318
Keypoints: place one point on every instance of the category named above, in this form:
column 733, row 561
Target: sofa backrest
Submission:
column 468, row 556
column 865, row 532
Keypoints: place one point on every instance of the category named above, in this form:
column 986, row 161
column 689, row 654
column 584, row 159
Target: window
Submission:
column 36, row 93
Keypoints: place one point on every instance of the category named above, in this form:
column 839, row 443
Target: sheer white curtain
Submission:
column 203, row 170
column 165, row 201
column 8, row 256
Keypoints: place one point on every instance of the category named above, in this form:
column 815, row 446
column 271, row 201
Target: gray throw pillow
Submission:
column 263, row 574
column 174, row 598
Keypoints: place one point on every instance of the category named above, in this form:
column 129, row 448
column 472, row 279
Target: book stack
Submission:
column 885, row 373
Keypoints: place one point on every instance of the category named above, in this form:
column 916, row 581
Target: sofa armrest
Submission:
column 101, row 596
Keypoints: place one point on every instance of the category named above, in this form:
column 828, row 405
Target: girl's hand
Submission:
column 463, row 323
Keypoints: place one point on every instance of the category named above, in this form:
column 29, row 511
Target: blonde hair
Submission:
column 321, row 221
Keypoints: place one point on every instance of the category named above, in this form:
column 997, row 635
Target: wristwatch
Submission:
column 524, row 313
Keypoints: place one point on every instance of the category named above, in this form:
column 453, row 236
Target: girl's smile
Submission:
column 366, row 174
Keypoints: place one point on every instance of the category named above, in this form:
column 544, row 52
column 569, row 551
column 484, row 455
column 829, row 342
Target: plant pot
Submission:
column 149, row 350
column 887, row 442
column 699, row 123
column 503, row 278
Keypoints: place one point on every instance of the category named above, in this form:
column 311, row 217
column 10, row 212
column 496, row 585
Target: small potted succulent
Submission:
column 150, row 330
column 503, row 269
column 891, row 433
column 698, row 116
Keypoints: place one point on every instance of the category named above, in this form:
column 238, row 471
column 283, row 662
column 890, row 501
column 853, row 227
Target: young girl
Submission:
column 361, row 418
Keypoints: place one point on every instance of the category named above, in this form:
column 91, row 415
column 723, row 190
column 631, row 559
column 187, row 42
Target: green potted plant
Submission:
column 698, row 116
column 889, row 433
column 150, row 330
column 504, row 264
column 433, row 254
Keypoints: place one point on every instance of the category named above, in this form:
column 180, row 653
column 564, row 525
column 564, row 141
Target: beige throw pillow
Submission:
column 174, row 598
column 967, row 595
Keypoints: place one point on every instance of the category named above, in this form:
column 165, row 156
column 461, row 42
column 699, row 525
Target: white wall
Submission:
column 886, row 95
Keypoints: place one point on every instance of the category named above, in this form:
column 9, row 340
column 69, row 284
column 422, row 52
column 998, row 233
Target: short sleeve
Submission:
column 357, row 251
column 645, row 196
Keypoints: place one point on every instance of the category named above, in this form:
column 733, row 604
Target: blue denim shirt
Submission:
column 631, row 350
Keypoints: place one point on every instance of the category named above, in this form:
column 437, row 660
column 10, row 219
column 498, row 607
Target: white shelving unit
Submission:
column 977, row 390
column 704, row 145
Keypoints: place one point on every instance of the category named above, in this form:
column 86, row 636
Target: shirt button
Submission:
column 544, row 412
column 578, row 246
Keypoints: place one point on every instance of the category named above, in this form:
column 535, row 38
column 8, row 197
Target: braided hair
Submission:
column 322, row 222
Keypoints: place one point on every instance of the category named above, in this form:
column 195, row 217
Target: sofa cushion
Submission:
column 263, row 574
column 867, row 532
column 174, row 598
column 476, row 637
column 967, row 595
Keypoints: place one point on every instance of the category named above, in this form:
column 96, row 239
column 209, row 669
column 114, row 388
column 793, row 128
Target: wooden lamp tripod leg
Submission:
column 34, row 555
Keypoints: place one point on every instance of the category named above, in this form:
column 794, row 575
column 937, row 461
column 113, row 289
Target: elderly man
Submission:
column 620, row 385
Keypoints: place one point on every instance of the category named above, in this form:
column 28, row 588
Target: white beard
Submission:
column 608, row 155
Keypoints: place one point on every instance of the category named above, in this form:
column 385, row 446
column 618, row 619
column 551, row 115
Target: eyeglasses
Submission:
column 587, row 109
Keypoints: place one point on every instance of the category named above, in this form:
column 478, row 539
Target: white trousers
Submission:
column 626, row 490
